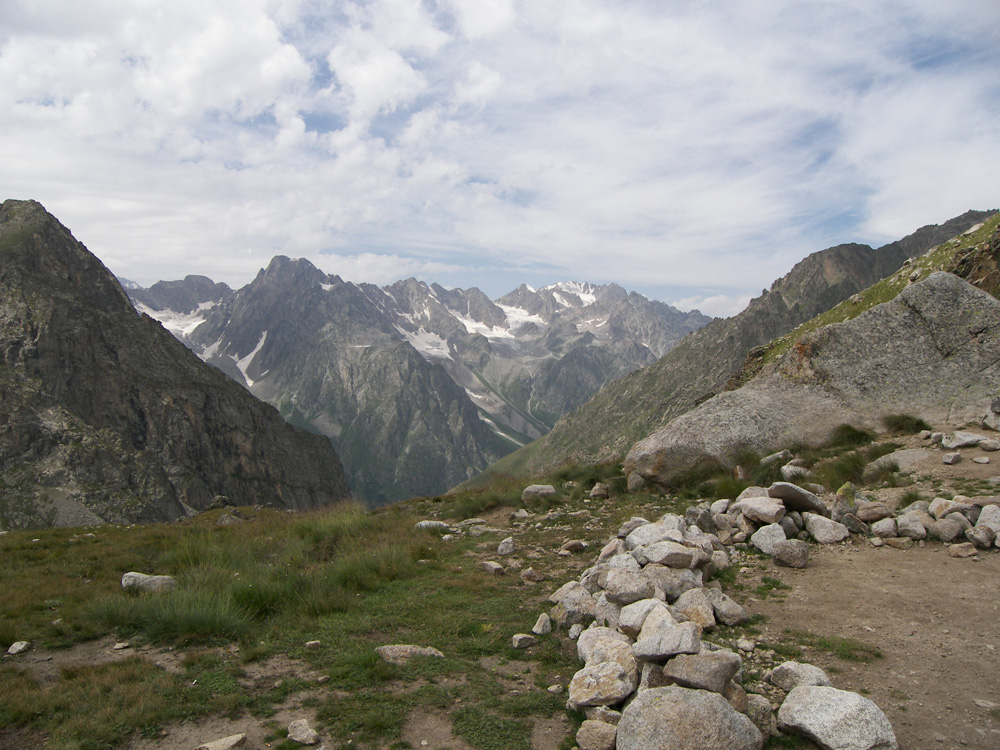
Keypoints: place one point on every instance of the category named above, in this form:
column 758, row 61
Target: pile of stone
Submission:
column 967, row 524
column 650, row 680
column 953, row 442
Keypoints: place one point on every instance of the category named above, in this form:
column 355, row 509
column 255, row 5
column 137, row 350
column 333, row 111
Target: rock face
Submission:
column 105, row 417
column 701, row 365
column 435, row 383
column 916, row 354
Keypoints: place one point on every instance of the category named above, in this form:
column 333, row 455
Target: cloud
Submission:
column 717, row 306
column 691, row 147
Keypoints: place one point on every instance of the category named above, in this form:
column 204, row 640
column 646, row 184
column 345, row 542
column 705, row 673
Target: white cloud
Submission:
column 717, row 306
column 658, row 145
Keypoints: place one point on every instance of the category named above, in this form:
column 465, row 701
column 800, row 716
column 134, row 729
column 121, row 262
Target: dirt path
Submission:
column 936, row 620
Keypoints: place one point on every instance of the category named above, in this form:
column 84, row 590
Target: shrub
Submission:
column 848, row 436
column 904, row 423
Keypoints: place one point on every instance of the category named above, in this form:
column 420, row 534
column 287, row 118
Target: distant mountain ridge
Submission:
column 629, row 409
column 418, row 387
column 104, row 417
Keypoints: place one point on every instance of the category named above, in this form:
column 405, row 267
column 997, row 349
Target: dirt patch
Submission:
column 431, row 730
column 45, row 665
column 936, row 620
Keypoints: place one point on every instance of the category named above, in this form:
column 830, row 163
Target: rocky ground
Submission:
column 934, row 619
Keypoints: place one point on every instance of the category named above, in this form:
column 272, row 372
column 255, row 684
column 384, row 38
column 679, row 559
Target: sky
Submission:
column 690, row 150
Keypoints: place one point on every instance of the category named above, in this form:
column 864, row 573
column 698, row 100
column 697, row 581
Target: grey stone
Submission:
column 649, row 533
column 606, row 613
column 941, row 507
column 543, row 625
column 989, row 518
column 432, row 526
column 784, row 456
column 719, row 507
column 677, row 718
column 603, row 713
column 951, row 458
column 143, row 582
column 522, row 641
column 697, row 608
column 507, row 547
column 990, row 444
column 19, row 647
column 632, row 616
column 603, row 684
column 823, row 530
column 596, row 735
column 965, row 549
column 791, row 674
column 727, row 611
column 982, row 537
column 530, row 575
column 899, row 542
column 536, row 491
column 673, row 555
column 884, row 528
column 707, row 670
column 854, row 524
column 759, row 712
column 651, row 676
column 673, row 581
column 946, row 530
column 591, row 638
column 224, row 743
column 300, row 731
column 797, row 498
column 792, row 553
column 766, row 537
column 624, row 587
column 600, row 491
column 401, row 653
column 870, row 512
column 666, row 642
column 836, row 719
column 764, row 510
column 493, row 568
column 794, row 473
column 911, row 525
column 630, row 525
column 953, row 440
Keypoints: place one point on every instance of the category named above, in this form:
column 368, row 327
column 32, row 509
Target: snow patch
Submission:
column 244, row 363
column 518, row 317
column 179, row 324
column 326, row 287
column 474, row 326
column 584, row 291
column 430, row 345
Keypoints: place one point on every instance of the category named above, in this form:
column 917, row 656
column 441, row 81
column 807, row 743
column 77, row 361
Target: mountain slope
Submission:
column 701, row 365
column 106, row 417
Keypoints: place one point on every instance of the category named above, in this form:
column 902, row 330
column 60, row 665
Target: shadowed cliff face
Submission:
column 107, row 417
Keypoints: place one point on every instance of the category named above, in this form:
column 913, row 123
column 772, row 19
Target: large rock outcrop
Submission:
column 933, row 351
column 105, row 417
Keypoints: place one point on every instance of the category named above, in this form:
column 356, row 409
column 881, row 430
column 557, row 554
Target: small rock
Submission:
column 300, row 731
column 19, row 647
column 823, row 530
column 576, row 545
column 493, row 568
column 574, row 631
column 596, row 735
column 523, row 640
column 981, row 460
column 951, row 458
column 899, row 542
column 965, row 549
column 313, row 645
column 121, row 646
column 507, row 547
column 708, row 670
column 766, row 537
column 431, row 526
column 531, row 575
column 791, row 674
column 226, row 743
column 543, row 625
column 554, row 689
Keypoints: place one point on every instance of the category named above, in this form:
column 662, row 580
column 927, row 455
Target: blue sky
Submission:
column 689, row 150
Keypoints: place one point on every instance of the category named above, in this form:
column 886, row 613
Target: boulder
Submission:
column 18, row 647
column 982, row 537
column 885, row 528
column 603, row 684
column 791, row 674
column 870, row 512
column 792, row 553
column 493, row 568
column 651, row 533
column 400, row 653
column 536, row 491
column 946, row 530
column 727, row 611
column 300, row 731
column 911, row 525
column 630, row 525
column 507, row 547
column 673, row 555
column 696, row 607
column 678, row 718
column 797, row 498
column 941, row 507
column 823, row 530
column 633, row 616
column 624, row 587
column 589, row 640
column 663, row 642
column 766, row 537
column 672, row 581
column 989, row 518
column 953, row 440
column 759, row 712
column 440, row 526
column 596, row 735
column 707, row 670
column 836, row 719
column 543, row 625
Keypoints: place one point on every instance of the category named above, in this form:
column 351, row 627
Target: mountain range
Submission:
column 418, row 387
